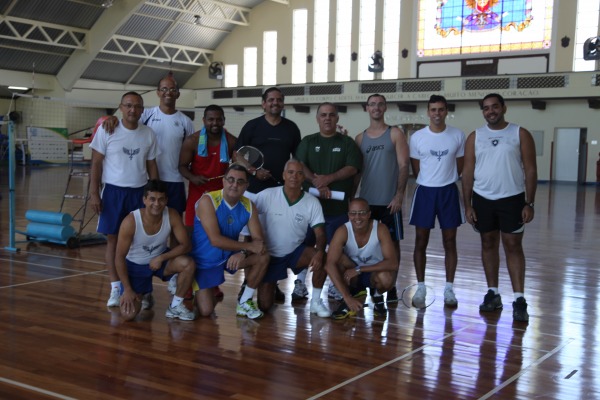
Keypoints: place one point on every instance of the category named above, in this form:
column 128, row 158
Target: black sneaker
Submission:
column 358, row 291
column 491, row 302
column 342, row 312
column 379, row 309
column 279, row 296
column 520, row 310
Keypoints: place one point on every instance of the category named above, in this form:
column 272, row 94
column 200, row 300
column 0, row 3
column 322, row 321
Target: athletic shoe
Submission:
column 450, row 298
column 320, row 309
column 180, row 312
column 392, row 294
column 333, row 293
column 249, row 310
column 172, row 286
column 379, row 309
column 147, row 301
column 114, row 299
column 358, row 292
column 343, row 312
column 491, row 302
column 520, row 310
column 279, row 296
column 300, row 291
column 218, row 293
column 418, row 299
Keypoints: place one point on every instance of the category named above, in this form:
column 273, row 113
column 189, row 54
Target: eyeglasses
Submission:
column 376, row 104
column 360, row 213
column 134, row 106
column 170, row 90
column 231, row 180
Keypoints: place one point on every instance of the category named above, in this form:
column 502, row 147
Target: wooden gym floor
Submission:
column 59, row 341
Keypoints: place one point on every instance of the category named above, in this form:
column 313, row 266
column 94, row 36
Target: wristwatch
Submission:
column 530, row 204
column 253, row 173
column 245, row 253
column 357, row 269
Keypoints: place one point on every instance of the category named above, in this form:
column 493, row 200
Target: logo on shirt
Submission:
column 176, row 124
column 230, row 220
column 364, row 260
column 154, row 119
column 336, row 150
column 439, row 153
column 150, row 249
column 495, row 142
column 299, row 218
column 317, row 149
column 131, row 152
column 375, row 148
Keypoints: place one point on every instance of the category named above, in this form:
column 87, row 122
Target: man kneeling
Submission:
column 142, row 253
column 361, row 254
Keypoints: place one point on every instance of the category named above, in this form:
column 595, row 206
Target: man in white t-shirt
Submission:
column 122, row 162
column 436, row 156
column 286, row 212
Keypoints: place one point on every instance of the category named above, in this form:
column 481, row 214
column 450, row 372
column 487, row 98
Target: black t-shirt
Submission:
column 277, row 143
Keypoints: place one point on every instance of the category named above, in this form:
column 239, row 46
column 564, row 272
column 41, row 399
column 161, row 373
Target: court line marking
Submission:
column 51, row 279
column 44, row 265
column 36, row 389
column 526, row 369
column 385, row 364
column 61, row 257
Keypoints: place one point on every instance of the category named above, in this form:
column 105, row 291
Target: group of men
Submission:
column 353, row 240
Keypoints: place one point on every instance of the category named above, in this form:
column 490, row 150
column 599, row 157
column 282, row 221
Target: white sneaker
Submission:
column 180, row 312
column 172, row 286
column 249, row 310
column 418, row 299
column 450, row 298
column 114, row 299
column 147, row 301
column 320, row 309
column 333, row 293
column 300, row 291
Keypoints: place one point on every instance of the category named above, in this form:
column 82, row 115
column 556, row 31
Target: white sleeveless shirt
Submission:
column 498, row 165
column 370, row 253
column 145, row 247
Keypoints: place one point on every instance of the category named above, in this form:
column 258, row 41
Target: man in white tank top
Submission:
column 142, row 253
column 499, row 185
column 361, row 252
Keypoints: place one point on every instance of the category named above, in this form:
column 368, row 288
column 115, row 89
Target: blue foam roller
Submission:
column 51, row 232
column 48, row 217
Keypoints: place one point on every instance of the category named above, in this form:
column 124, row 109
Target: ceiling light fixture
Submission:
column 107, row 4
column 196, row 20
column 18, row 88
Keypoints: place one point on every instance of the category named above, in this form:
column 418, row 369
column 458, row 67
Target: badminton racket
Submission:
column 249, row 157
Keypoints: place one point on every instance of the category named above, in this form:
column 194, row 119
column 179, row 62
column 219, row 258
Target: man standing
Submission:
column 220, row 217
column 277, row 138
column 361, row 253
column 331, row 161
column 123, row 162
column 499, row 185
column 285, row 214
column 142, row 253
column 204, row 157
column 437, row 156
column 385, row 159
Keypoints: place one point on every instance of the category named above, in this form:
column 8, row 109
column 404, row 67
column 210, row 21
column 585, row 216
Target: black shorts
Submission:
column 392, row 221
column 503, row 214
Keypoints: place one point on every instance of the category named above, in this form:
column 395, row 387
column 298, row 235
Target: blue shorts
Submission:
column 502, row 214
column 210, row 277
column 140, row 276
column 331, row 225
column 117, row 202
column 278, row 266
column 176, row 196
column 392, row 221
column 364, row 280
column 443, row 202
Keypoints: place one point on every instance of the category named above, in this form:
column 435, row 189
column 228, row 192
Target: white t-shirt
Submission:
column 286, row 224
column 370, row 253
column 437, row 154
column 125, row 154
column 145, row 247
column 170, row 131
